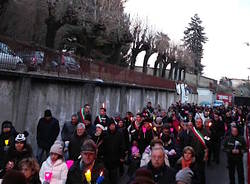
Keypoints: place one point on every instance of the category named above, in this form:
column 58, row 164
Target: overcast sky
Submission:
column 226, row 22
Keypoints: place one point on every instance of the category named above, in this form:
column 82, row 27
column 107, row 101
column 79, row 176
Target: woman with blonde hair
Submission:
column 187, row 161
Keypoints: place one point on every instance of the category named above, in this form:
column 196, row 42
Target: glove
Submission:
column 172, row 152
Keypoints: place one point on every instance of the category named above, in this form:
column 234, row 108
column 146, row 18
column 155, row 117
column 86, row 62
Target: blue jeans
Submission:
column 39, row 155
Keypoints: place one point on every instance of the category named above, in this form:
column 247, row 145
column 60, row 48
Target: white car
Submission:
column 8, row 59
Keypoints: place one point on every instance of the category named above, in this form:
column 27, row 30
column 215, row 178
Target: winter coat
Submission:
column 230, row 144
column 47, row 132
column 59, row 171
column 113, row 149
column 134, row 131
column 144, row 139
column 103, row 120
column 125, row 135
column 146, row 156
column 34, row 179
column 75, row 144
column 198, row 147
column 196, row 178
column 185, row 138
column 16, row 156
column 90, row 129
column 163, row 175
column 217, row 131
column 99, row 142
column 76, row 176
column 68, row 130
column 3, row 148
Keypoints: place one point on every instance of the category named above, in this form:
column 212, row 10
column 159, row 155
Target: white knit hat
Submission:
column 100, row 126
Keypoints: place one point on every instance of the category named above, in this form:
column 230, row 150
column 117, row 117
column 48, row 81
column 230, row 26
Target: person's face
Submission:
column 149, row 105
column 80, row 131
column 157, row 158
column 88, row 157
column 102, row 112
column 187, row 155
column 54, row 157
column 198, row 123
column 87, row 109
column 26, row 171
column 5, row 130
column 138, row 118
column 120, row 124
column 74, row 120
column 190, row 116
column 19, row 146
column 98, row 130
column 166, row 131
column 87, row 122
column 216, row 117
column 234, row 131
column 112, row 127
column 163, row 113
column 206, row 113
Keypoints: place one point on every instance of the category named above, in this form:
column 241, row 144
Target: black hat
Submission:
column 89, row 146
column 47, row 113
column 6, row 124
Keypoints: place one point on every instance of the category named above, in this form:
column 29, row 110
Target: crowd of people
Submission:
column 154, row 146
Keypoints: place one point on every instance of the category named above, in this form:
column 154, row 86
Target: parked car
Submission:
column 8, row 59
column 67, row 64
column 32, row 59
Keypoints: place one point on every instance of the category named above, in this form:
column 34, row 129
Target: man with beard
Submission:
column 47, row 132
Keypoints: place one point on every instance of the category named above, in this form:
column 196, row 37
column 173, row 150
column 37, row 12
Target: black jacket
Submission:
column 34, row 179
column 16, row 156
column 230, row 144
column 76, row 173
column 75, row 144
column 47, row 132
column 68, row 130
column 217, row 131
column 103, row 120
column 113, row 149
column 164, row 175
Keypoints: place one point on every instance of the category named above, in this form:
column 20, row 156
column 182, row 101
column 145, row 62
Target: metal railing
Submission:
column 21, row 56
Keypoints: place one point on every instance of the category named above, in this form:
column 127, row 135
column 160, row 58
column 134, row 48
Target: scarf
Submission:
column 185, row 163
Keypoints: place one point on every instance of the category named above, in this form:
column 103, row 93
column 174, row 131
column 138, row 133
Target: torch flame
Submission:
column 101, row 173
column 103, row 105
column 210, row 124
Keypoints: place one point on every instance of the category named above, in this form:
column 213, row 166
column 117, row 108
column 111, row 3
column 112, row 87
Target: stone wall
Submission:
column 24, row 98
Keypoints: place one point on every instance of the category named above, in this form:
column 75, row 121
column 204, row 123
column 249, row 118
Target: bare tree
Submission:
column 162, row 45
column 139, row 39
column 150, row 49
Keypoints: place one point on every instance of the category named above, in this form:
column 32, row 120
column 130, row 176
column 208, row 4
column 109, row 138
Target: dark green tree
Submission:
column 194, row 39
